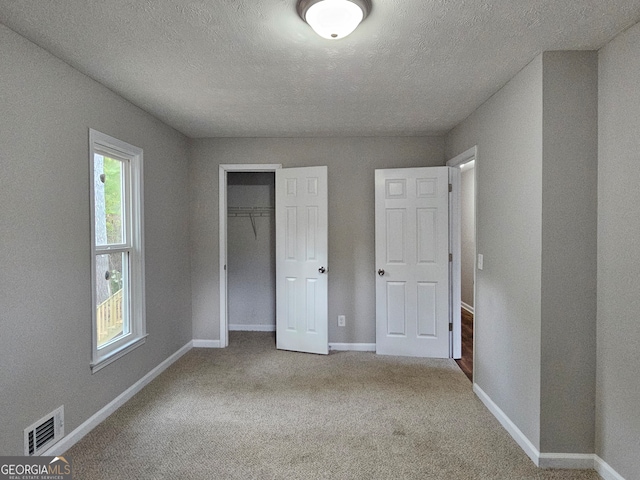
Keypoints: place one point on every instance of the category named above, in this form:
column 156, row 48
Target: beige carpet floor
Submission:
column 253, row 412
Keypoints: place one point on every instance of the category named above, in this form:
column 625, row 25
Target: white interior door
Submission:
column 301, row 259
column 412, row 262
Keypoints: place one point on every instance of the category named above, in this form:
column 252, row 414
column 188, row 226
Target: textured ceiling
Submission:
column 253, row 68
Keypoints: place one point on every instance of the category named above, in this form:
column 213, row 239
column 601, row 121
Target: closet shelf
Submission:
column 250, row 211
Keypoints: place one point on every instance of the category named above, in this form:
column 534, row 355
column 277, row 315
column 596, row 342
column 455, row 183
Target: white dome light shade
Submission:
column 333, row 19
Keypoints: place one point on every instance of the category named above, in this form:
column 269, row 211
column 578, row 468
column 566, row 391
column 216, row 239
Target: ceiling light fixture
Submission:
column 333, row 19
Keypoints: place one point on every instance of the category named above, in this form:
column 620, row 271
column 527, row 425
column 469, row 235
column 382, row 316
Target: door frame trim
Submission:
column 455, row 277
column 457, row 161
column 222, row 230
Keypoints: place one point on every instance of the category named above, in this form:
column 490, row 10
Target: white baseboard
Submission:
column 72, row 438
column 467, row 307
column 206, row 343
column 508, row 425
column 548, row 460
column 355, row 347
column 576, row 461
column 605, row 470
column 252, row 328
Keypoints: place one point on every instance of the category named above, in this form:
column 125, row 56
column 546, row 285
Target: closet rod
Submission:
column 250, row 211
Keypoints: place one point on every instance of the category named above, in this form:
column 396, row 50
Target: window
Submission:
column 117, row 248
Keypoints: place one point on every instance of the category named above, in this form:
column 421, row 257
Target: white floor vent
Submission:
column 44, row 433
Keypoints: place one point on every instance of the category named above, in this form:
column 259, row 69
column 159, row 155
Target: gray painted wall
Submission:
column 251, row 265
column 618, row 359
column 508, row 132
column 569, row 226
column 45, row 287
column 467, row 234
column 351, row 163
column 536, row 224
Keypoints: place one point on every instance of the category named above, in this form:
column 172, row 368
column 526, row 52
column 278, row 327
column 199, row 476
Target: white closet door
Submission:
column 302, row 259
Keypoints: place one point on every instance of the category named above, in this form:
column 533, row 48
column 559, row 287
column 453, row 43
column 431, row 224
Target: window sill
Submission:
column 116, row 354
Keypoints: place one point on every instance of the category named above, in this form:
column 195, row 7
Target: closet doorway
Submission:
column 247, row 248
column 251, row 263
column 301, row 256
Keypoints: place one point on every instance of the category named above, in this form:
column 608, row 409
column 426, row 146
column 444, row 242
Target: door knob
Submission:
column 380, row 272
column 322, row 269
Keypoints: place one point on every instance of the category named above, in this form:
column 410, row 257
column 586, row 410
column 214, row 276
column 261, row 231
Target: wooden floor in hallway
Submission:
column 466, row 362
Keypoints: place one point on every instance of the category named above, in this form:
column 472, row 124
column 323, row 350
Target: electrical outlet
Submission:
column 342, row 320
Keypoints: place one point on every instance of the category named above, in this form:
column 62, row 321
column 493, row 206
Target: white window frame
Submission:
column 133, row 230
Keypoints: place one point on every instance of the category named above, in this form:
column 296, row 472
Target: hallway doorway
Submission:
column 466, row 162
